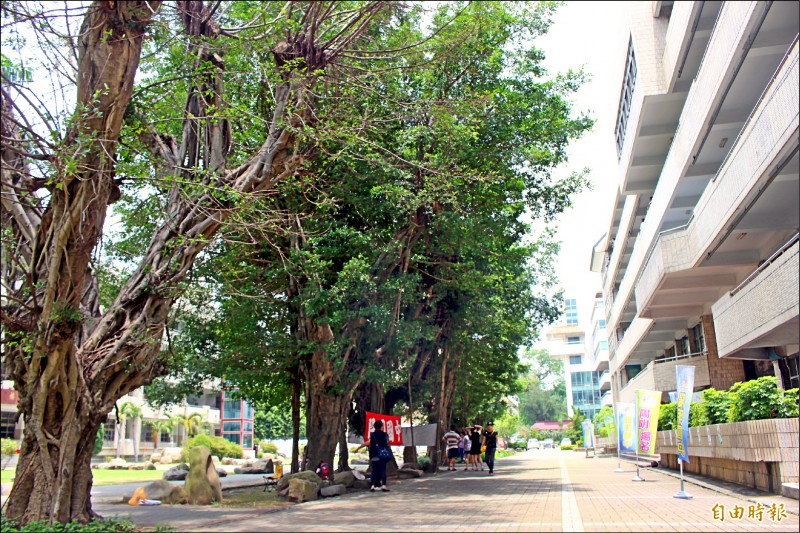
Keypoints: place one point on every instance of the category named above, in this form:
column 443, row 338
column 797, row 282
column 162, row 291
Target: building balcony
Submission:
column 689, row 267
column 660, row 375
column 607, row 399
column 762, row 312
column 605, row 381
column 741, row 51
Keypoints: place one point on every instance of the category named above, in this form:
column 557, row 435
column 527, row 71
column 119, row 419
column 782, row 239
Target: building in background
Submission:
column 583, row 373
column 699, row 265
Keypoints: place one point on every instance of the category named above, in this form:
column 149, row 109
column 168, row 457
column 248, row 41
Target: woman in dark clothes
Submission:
column 475, row 448
column 377, row 439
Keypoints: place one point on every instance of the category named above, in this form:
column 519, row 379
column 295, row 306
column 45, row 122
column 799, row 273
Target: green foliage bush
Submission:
column 8, row 448
column 668, row 416
column 718, row 404
column 219, row 446
column 757, row 399
column 567, row 446
column 697, row 415
column 790, row 405
column 268, row 447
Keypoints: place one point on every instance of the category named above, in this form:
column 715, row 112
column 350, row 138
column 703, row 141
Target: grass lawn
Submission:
column 107, row 477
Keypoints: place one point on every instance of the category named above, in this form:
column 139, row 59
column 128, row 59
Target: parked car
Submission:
column 547, row 443
column 566, row 442
column 533, row 444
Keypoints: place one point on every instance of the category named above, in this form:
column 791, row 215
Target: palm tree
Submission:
column 157, row 427
column 133, row 411
column 190, row 423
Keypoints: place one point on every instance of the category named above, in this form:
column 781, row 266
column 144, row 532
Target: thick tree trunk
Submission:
column 344, row 453
column 295, row 420
column 77, row 364
column 325, row 417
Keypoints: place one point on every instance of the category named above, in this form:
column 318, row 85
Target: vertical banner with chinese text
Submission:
column 648, row 403
column 588, row 434
column 685, row 381
column 391, row 425
column 627, row 436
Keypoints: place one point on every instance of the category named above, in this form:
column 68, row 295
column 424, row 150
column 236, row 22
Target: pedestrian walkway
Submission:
column 539, row 490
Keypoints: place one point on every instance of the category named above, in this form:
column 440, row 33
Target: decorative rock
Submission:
column 156, row 457
column 165, row 491
column 202, row 484
column 411, row 466
column 215, row 459
column 284, row 493
column 229, row 461
column 408, row 473
column 149, row 466
column 118, row 461
column 360, row 461
column 135, row 467
column 344, row 478
column 333, row 490
column 361, row 484
column 301, row 490
column 358, row 474
column 170, row 455
column 307, row 475
column 221, row 472
column 175, row 474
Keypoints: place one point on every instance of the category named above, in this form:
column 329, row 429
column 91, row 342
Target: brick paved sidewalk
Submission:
column 540, row 490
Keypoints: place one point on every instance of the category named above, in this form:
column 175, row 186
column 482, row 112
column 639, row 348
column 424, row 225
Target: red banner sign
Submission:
column 391, row 425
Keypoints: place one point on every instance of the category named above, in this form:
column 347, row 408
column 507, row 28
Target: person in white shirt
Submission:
column 451, row 439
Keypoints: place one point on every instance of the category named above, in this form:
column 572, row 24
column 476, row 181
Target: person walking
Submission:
column 451, row 439
column 462, row 439
column 490, row 441
column 475, row 447
column 378, row 439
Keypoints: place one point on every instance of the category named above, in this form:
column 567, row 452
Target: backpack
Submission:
column 324, row 471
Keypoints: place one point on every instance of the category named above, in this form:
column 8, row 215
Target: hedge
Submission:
column 219, row 447
column 757, row 399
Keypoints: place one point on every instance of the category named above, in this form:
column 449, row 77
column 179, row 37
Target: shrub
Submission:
column 268, row 447
column 697, row 415
column 789, row 407
column 757, row 399
column 8, row 448
column 668, row 416
column 718, row 404
column 219, row 446
column 567, row 446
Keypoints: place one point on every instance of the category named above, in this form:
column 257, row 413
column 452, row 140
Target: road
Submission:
column 538, row 490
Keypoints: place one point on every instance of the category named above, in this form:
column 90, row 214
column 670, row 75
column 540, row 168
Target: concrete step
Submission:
column 791, row 490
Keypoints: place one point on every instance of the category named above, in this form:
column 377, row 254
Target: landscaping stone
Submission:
column 361, row 484
column 408, row 473
column 118, row 461
column 149, row 465
column 165, row 492
column 301, row 490
column 202, row 484
column 135, row 467
column 344, row 478
column 175, row 474
column 305, row 474
column 333, row 490
column 221, row 472
column 411, row 466
column 170, row 455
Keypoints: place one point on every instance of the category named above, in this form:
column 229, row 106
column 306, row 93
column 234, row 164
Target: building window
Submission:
column 573, row 340
column 625, row 98
column 147, row 433
column 574, row 359
column 247, row 441
column 699, row 338
column 602, row 324
column 235, row 438
column 233, row 427
column 7, row 424
column 109, row 428
column 683, row 345
column 571, row 306
column 165, row 436
column 248, row 411
column 233, row 409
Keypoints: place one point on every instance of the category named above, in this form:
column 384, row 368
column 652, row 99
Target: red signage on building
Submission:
column 391, row 425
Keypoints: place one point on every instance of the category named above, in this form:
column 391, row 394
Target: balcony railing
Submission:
column 765, row 264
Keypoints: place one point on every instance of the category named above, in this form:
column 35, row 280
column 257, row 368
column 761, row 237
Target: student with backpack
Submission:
column 379, row 454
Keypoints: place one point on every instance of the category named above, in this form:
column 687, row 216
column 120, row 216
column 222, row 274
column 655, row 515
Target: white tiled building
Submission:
column 700, row 260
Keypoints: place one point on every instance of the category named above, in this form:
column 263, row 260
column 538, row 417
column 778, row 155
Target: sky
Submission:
column 593, row 35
